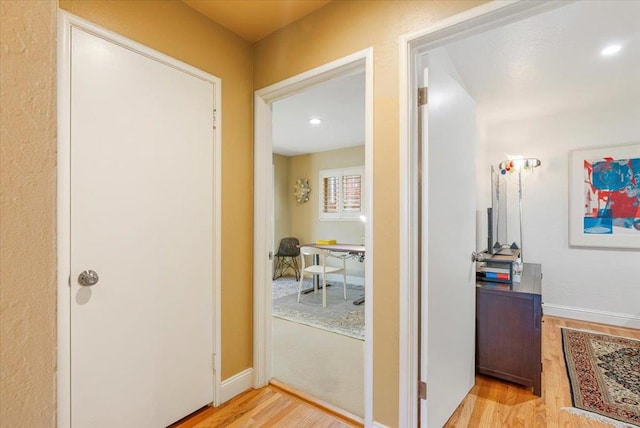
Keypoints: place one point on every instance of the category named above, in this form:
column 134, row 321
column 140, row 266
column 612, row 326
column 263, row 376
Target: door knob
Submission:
column 88, row 278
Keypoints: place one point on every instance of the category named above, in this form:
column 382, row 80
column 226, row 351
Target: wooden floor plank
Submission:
column 266, row 407
column 491, row 402
column 495, row 403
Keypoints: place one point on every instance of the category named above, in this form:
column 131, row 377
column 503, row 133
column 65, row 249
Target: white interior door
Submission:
column 142, row 218
column 448, row 239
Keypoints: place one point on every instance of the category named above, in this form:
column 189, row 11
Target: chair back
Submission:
column 311, row 251
column 289, row 247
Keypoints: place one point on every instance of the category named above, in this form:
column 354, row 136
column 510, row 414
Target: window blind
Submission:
column 341, row 193
column 351, row 193
column 330, row 194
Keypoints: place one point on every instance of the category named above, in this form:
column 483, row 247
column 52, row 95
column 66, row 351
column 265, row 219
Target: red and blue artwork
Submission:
column 612, row 196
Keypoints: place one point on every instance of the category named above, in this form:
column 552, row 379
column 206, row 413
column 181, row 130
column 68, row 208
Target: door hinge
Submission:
column 213, row 362
column 215, row 118
column 270, row 255
column 422, row 390
column 422, row 96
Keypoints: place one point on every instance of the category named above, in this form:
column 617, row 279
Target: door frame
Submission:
column 263, row 215
column 66, row 22
column 412, row 47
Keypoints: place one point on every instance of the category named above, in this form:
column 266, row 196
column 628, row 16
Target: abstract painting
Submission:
column 605, row 197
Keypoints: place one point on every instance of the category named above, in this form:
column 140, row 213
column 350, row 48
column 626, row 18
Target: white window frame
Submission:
column 340, row 215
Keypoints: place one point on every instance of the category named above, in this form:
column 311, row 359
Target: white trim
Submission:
column 236, row 385
column 63, row 214
column 262, row 286
column 65, row 22
column 368, row 212
column 263, row 219
column 592, row 315
column 472, row 21
column 217, row 242
column 379, row 425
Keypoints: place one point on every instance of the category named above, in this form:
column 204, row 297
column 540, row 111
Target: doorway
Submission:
column 507, row 126
column 318, row 144
column 263, row 210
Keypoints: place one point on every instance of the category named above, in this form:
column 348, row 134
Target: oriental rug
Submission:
column 340, row 316
column 604, row 376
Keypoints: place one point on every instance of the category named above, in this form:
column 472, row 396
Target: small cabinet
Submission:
column 508, row 329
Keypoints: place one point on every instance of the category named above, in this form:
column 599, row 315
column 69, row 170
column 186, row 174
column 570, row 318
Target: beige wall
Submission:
column 282, row 196
column 336, row 30
column 304, row 217
column 27, row 214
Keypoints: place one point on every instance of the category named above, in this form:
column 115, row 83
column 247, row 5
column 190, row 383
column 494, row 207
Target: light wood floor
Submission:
column 490, row 404
column 493, row 403
column 266, row 407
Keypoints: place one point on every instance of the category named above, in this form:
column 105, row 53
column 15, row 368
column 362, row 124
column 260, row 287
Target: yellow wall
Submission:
column 27, row 214
column 336, row 30
column 304, row 217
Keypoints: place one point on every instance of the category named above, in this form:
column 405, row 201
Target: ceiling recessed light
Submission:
column 611, row 50
column 315, row 121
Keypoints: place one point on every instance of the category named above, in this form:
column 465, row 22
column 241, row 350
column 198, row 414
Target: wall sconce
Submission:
column 301, row 190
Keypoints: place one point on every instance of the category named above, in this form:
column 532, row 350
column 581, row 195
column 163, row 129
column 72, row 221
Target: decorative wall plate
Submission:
column 301, row 190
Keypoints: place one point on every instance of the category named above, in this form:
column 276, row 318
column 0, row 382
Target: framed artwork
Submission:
column 604, row 197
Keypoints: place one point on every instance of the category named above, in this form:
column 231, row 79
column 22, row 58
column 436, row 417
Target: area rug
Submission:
column 340, row 316
column 604, row 376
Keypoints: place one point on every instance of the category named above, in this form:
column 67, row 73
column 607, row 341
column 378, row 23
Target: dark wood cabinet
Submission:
column 508, row 329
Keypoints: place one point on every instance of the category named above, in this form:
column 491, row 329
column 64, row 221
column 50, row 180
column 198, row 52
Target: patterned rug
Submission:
column 604, row 376
column 340, row 316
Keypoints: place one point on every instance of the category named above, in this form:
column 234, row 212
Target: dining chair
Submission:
column 320, row 267
column 287, row 257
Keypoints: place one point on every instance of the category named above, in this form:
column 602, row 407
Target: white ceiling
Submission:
column 339, row 103
column 542, row 65
column 551, row 62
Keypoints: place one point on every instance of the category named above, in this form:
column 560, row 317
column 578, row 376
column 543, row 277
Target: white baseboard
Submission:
column 236, row 385
column 355, row 280
column 378, row 425
column 592, row 315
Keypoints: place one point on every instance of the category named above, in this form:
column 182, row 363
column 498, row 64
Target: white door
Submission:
column 141, row 217
column 448, row 275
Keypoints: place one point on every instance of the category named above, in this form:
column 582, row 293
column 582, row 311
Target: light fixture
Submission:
column 315, row 121
column 518, row 164
column 610, row 50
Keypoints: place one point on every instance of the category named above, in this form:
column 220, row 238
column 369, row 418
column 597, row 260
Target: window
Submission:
column 341, row 193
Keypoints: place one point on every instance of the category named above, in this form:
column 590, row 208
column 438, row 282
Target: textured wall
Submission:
column 27, row 214
column 336, row 30
column 175, row 29
column 591, row 279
